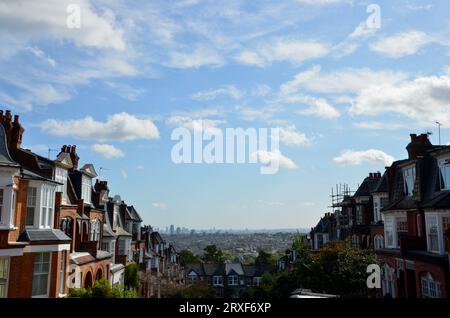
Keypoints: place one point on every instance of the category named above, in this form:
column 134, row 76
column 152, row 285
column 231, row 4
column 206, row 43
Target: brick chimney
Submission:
column 418, row 146
column 13, row 129
column 101, row 185
column 72, row 150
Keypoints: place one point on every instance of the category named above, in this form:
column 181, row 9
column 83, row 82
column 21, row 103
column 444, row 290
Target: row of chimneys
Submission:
column 375, row 175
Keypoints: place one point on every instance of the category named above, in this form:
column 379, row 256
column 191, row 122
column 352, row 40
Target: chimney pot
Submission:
column 16, row 118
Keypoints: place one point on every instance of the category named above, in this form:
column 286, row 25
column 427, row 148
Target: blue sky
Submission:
column 345, row 93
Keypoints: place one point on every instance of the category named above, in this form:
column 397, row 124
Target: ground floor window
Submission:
column 233, row 280
column 388, row 281
column 41, row 274
column 430, row 287
column 378, row 242
column 4, row 274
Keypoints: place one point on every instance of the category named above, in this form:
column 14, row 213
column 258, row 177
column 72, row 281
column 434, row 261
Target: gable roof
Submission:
column 368, row 186
column 89, row 170
column 64, row 160
column 132, row 214
column 234, row 267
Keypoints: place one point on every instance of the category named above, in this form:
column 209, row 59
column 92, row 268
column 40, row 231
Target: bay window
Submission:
column 389, row 231
column 430, row 287
column 47, row 206
column 402, row 228
column 41, row 275
column 1, row 206
column 4, row 274
column 62, row 273
column 31, row 205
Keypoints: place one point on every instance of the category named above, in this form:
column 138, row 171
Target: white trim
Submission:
column 11, row 252
column 46, row 248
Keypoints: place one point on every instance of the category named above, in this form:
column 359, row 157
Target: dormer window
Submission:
column 86, row 189
column 444, row 175
column 61, row 177
column 116, row 216
column 409, row 177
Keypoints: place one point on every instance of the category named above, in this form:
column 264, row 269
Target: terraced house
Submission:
column 59, row 230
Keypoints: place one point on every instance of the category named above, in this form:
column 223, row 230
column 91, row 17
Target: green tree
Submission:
column 265, row 259
column 189, row 258
column 101, row 289
column 212, row 254
column 200, row 289
column 132, row 276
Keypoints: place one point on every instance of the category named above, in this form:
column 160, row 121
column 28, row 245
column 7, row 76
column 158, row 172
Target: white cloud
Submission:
column 125, row 91
column 160, row 205
column 291, row 137
column 227, row 90
column 282, row 50
column 318, row 107
column 378, row 125
column 371, row 156
column 196, row 59
column 340, row 81
column 268, row 157
column 41, row 55
column 119, row 127
column 107, row 151
column 32, row 20
column 425, row 99
column 261, row 90
column 401, row 44
column 322, row 2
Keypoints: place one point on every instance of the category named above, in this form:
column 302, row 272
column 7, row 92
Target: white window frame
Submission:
column 435, row 220
column 48, row 274
column 94, row 234
column 192, row 278
column 61, row 175
column 257, row 281
column 5, row 281
column 409, row 172
column 389, row 232
column 32, row 203
column 86, row 188
column 378, row 242
column 388, row 281
column 444, row 165
column 430, row 288
column 62, row 274
column 47, row 206
column 233, row 280
column 218, row 280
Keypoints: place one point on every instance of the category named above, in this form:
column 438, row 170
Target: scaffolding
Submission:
column 339, row 193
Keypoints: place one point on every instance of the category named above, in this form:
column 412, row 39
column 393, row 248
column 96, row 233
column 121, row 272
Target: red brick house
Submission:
column 417, row 222
column 34, row 253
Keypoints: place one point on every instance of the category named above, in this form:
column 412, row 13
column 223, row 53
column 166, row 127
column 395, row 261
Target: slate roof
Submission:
column 5, row 158
column 234, row 267
column 382, row 184
column 367, row 187
column 121, row 232
column 107, row 231
column 50, row 235
column 133, row 214
column 197, row 268
column 215, row 269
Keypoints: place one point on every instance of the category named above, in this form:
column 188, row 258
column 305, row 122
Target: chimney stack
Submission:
column 418, row 146
column 13, row 129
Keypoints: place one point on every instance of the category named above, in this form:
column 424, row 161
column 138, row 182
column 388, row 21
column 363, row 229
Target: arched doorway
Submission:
column 88, row 280
column 99, row 274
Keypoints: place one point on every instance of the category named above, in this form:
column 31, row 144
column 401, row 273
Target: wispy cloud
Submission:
column 107, row 151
